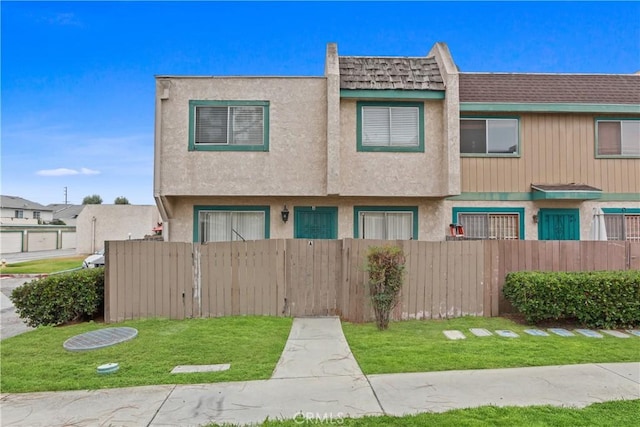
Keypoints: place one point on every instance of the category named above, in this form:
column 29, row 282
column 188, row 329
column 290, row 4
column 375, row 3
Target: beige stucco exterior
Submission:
column 532, row 209
column 97, row 223
column 312, row 156
column 432, row 218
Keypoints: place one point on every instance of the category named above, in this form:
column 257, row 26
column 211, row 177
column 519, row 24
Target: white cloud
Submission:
column 67, row 172
column 57, row 172
column 87, row 171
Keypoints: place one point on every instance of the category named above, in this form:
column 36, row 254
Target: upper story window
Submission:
column 390, row 126
column 230, row 223
column 229, row 125
column 18, row 214
column 385, row 223
column 618, row 138
column 494, row 136
column 36, row 215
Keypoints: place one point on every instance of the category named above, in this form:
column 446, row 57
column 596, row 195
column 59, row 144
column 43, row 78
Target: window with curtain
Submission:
column 490, row 225
column 622, row 227
column 224, row 226
column 618, row 137
column 489, row 136
column 385, row 225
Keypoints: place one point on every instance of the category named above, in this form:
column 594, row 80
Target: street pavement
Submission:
column 30, row 256
column 318, row 381
column 10, row 324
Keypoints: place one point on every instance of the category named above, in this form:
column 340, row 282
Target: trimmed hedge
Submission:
column 596, row 299
column 60, row 298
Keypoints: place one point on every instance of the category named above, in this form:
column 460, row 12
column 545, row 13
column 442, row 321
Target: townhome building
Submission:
column 540, row 152
column 397, row 148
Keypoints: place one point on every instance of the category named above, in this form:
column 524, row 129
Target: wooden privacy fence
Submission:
column 295, row 277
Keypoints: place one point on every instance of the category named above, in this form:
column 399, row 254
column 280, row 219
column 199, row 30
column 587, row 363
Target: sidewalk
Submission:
column 318, row 378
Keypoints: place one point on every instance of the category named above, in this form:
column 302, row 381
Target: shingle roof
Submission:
column 62, row 211
column 550, row 88
column 13, row 202
column 564, row 187
column 399, row 73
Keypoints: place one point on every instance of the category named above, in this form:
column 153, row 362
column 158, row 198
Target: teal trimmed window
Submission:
column 622, row 223
column 491, row 223
column 390, row 126
column 617, row 137
column 385, row 223
column 230, row 223
column 489, row 136
column 228, row 125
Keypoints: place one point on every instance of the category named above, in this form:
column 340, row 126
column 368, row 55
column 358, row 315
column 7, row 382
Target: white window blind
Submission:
column 390, row 126
column 233, row 125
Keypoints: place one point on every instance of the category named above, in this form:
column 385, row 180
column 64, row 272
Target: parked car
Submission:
column 95, row 260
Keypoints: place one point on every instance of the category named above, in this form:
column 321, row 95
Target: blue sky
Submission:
column 77, row 78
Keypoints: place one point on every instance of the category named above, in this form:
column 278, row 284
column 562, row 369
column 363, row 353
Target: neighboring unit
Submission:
column 19, row 211
column 397, row 148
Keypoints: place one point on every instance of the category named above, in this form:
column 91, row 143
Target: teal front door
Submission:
column 315, row 222
column 559, row 224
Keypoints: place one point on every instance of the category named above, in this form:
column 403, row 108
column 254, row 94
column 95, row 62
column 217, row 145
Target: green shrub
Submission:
column 60, row 298
column 385, row 265
column 597, row 299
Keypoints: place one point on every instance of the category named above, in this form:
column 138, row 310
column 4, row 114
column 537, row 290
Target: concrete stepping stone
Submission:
column 589, row 333
column 635, row 332
column 507, row 334
column 562, row 332
column 616, row 334
column 454, row 335
column 536, row 332
column 189, row 369
column 480, row 332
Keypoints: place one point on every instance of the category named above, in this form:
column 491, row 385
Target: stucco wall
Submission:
column 400, row 174
column 113, row 222
column 295, row 163
column 532, row 208
column 432, row 220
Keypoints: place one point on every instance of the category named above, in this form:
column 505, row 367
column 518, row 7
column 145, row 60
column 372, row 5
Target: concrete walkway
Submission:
column 316, row 379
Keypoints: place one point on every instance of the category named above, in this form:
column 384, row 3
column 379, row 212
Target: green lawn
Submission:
column 420, row 346
column 619, row 413
column 43, row 266
column 36, row 360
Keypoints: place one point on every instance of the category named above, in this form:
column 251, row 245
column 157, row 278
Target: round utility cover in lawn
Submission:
column 99, row 339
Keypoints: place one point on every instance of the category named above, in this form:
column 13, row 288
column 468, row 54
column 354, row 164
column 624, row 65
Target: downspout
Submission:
column 93, row 235
column 162, row 93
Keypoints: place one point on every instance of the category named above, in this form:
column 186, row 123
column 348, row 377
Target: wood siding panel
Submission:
column 555, row 148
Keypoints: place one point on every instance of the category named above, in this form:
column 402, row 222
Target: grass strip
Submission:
column 36, row 360
column 421, row 346
column 43, row 266
column 616, row 413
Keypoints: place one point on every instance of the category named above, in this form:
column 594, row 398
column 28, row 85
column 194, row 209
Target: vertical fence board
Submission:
column 434, row 280
column 280, row 273
column 444, row 279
